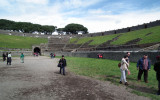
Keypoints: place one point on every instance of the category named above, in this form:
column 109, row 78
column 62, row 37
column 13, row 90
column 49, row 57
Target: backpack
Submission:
column 119, row 64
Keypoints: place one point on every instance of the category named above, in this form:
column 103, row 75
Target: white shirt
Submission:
column 9, row 55
column 124, row 64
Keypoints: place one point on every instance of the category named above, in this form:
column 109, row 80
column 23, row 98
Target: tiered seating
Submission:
column 56, row 44
column 86, row 46
column 71, row 47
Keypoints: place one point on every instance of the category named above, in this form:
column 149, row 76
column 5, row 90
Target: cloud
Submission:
column 71, row 4
column 60, row 13
column 42, row 2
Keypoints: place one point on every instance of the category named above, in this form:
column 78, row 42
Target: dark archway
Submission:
column 37, row 50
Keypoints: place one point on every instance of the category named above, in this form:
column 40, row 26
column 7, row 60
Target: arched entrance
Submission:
column 37, row 50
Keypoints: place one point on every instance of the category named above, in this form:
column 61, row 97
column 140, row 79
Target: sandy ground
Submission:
column 39, row 79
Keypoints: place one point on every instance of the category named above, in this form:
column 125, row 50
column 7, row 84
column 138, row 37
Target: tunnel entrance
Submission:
column 37, row 50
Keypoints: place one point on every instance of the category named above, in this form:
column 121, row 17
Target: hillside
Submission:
column 10, row 41
column 143, row 36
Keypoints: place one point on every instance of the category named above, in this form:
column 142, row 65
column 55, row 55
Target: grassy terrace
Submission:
column 149, row 35
column 104, row 69
column 9, row 41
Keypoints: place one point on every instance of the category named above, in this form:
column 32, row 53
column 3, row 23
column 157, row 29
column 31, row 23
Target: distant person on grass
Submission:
column 123, row 68
column 22, row 58
column 9, row 59
column 157, row 69
column 127, row 60
column 4, row 57
column 128, row 54
column 63, row 64
column 143, row 65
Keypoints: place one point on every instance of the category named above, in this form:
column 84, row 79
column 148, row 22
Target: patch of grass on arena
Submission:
column 10, row 41
column 148, row 35
column 96, row 40
column 84, row 40
column 73, row 40
column 102, row 39
column 104, row 69
column 153, row 37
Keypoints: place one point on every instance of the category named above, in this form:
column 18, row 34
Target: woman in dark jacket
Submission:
column 157, row 69
column 63, row 64
column 4, row 57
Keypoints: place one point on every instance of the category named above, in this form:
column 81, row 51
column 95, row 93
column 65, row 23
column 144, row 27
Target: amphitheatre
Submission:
column 86, row 78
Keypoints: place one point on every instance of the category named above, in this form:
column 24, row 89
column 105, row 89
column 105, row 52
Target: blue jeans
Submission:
column 123, row 76
column 63, row 70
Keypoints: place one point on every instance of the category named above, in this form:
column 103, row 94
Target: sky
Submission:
column 96, row 15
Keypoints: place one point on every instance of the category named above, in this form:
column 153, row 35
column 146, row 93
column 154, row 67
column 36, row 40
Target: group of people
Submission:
column 8, row 57
column 143, row 66
column 52, row 55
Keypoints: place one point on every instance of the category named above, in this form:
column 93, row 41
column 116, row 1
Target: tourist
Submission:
column 63, row 64
column 127, row 60
column 4, row 56
column 9, row 59
column 143, row 65
column 123, row 68
column 52, row 55
column 157, row 69
column 22, row 58
column 128, row 54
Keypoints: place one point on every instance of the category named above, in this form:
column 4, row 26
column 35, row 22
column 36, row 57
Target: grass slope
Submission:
column 96, row 40
column 104, row 69
column 154, row 37
column 9, row 41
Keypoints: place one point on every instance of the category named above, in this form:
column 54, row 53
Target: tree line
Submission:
column 27, row 27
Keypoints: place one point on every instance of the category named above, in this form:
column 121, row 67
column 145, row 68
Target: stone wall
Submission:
column 17, row 53
column 117, row 55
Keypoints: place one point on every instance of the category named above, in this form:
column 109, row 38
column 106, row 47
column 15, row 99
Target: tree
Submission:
column 25, row 27
column 75, row 28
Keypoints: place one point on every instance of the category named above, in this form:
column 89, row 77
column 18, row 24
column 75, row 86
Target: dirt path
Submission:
column 38, row 79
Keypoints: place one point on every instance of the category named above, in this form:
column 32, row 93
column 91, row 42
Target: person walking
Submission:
column 9, row 59
column 157, row 69
column 128, row 54
column 22, row 58
column 51, row 54
column 4, row 57
column 63, row 64
column 123, row 68
column 143, row 65
column 127, row 60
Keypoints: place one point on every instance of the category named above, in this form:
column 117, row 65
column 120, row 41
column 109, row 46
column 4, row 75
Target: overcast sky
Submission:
column 96, row 15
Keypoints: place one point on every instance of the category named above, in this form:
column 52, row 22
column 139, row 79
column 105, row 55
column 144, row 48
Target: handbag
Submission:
column 59, row 65
column 129, row 72
column 119, row 64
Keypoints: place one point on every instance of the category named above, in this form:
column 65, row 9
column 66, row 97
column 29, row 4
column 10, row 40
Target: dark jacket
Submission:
column 140, row 63
column 4, row 55
column 157, row 69
column 63, row 61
